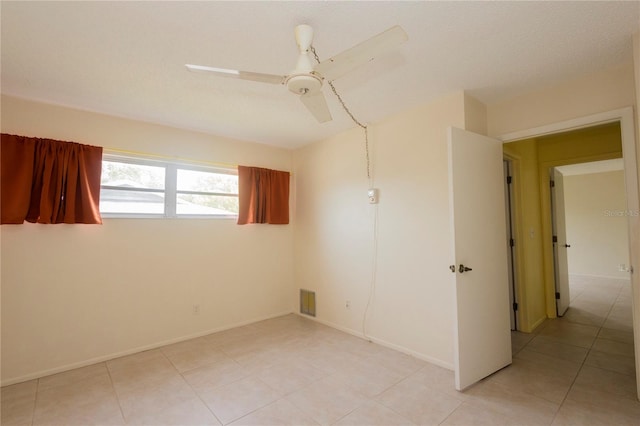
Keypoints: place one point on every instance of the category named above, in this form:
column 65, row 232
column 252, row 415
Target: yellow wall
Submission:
column 77, row 294
column 528, row 230
column 533, row 158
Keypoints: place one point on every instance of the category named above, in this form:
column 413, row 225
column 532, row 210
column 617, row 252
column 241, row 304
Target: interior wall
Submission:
column 579, row 96
column 77, row 294
column 528, row 232
column 635, row 232
column 475, row 115
column 596, row 221
column 410, row 304
column 636, row 69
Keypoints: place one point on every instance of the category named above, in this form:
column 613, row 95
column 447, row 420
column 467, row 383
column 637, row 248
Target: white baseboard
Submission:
column 91, row 361
column 384, row 343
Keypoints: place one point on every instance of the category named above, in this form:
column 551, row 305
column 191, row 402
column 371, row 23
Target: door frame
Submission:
column 512, row 236
column 559, row 233
column 625, row 117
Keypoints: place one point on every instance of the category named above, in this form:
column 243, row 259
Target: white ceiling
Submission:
column 127, row 58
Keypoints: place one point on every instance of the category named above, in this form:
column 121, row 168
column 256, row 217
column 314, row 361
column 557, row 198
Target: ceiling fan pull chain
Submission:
column 335, row 92
column 346, row 109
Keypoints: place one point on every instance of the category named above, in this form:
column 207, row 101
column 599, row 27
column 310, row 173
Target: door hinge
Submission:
column 512, row 242
column 555, row 239
column 515, row 306
column 557, row 295
column 552, row 183
column 509, row 180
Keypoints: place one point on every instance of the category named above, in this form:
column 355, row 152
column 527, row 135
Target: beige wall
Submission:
column 73, row 294
column 577, row 97
column 636, row 61
column 412, row 304
column 635, row 238
column 595, row 207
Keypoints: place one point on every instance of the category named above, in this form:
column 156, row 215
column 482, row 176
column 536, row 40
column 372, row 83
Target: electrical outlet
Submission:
column 347, row 304
column 622, row 267
column 196, row 309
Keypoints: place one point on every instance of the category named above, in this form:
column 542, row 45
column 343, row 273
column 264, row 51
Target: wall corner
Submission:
column 475, row 115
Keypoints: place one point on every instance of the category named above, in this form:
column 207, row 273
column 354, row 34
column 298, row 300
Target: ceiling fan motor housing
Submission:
column 304, row 83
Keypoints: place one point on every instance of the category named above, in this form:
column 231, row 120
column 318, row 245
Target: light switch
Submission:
column 373, row 195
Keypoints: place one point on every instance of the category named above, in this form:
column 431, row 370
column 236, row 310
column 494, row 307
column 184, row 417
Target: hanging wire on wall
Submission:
column 353, row 118
column 374, row 260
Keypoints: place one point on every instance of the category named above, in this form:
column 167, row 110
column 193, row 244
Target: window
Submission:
column 130, row 188
column 135, row 187
column 206, row 192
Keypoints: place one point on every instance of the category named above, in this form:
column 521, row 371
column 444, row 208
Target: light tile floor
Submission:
column 576, row 370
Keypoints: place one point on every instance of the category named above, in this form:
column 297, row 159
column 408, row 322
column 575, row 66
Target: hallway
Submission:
column 584, row 360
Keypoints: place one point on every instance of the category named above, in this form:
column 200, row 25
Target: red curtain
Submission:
column 48, row 181
column 264, row 196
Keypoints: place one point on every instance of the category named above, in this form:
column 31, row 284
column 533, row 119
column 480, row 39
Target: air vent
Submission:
column 308, row 302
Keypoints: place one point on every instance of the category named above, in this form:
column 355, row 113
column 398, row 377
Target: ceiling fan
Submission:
column 306, row 80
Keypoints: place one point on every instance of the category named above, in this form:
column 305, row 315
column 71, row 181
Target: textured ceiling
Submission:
column 127, row 58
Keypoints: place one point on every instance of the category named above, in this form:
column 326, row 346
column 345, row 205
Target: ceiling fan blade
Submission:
column 362, row 53
column 317, row 105
column 243, row 75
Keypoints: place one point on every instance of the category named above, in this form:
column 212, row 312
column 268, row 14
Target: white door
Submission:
column 560, row 244
column 482, row 332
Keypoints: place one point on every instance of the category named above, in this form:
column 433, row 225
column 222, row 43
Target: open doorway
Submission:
column 535, row 229
column 588, row 204
column 591, row 249
column 533, row 158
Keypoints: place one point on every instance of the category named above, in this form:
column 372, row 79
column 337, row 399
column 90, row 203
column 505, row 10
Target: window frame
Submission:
column 170, row 190
column 207, row 169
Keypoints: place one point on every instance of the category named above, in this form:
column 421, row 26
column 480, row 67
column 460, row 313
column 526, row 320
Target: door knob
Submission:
column 567, row 245
column 464, row 269
column 453, row 268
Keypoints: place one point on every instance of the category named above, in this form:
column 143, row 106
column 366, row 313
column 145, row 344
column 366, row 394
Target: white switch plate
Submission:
column 372, row 193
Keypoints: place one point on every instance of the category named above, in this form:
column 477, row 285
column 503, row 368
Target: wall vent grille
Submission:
column 308, row 302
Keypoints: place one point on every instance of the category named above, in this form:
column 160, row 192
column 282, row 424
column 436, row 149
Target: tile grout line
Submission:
column 191, row 387
column 585, row 359
column 113, row 386
column 35, row 402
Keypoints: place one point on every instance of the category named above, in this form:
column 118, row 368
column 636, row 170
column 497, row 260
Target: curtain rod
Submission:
column 179, row 159
column 166, row 157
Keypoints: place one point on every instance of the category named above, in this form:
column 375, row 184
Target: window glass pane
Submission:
column 206, row 204
column 194, row 180
column 132, row 175
column 116, row 201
